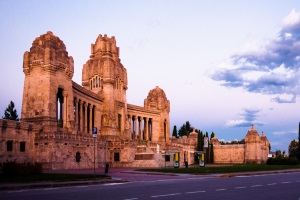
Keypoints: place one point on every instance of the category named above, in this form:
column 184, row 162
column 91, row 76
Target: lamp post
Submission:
column 94, row 136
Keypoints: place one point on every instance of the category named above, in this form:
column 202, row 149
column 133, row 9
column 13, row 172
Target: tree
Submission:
column 10, row 112
column 293, row 148
column 200, row 141
column 185, row 129
column 212, row 135
column 175, row 132
column 293, row 145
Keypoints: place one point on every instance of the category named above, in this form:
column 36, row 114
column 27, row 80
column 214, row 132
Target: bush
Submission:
column 12, row 168
column 282, row 161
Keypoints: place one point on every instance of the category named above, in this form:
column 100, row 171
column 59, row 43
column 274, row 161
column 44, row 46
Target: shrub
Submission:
column 12, row 168
column 282, row 161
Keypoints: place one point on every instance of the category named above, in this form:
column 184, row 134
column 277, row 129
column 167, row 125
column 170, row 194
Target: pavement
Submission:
column 120, row 175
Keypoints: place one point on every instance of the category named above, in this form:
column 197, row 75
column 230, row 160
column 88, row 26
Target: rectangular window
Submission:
column 9, row 145
column 119, row 122
column 22, row 146
column 117, row 157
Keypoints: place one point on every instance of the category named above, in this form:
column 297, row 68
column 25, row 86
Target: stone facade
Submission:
column 59, row 116
column 255, row 149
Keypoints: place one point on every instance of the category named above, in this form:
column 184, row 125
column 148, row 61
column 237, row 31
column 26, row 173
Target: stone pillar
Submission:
column 65, row 109
column 85, row 129
column 146, row 128
column 91, row 120
column 76, row 113
column 150, row 129
column 140, row 128
column 134, row 127
column 81, row 116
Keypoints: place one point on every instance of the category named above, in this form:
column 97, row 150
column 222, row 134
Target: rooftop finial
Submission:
column 252, row 126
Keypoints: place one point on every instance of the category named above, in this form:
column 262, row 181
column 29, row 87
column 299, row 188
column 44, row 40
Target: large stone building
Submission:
column 58, row 115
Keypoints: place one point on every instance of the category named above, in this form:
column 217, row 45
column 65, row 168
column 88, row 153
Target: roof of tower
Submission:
column 49, row 40
column 252, row 131
column 157, row 93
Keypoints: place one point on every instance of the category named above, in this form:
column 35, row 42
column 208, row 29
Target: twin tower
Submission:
column 52, row 100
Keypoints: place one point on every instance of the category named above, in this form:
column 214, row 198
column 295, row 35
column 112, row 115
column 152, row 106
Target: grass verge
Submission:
column 49, row 177
column 223, row 169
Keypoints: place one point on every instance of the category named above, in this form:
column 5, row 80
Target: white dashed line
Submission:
column 195, row 192
column 131, row 199
column 165, row 195
column 272, row 184
column 220, row 189
column 84, row 186
column 242, row 187
column 51, row 189
column 256, row 186
column 109, row 184
column 286, row 182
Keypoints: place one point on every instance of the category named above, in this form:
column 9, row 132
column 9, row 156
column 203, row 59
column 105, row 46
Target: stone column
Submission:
column 76, row 113
column 140, row 128
column 134, row 127
column 146, row 128
column 150, row 129
column 91, row 119
column 65, row 109
column 81, row 116
column 85, row 129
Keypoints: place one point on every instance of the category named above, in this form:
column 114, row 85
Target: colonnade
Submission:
column 140, row 127
column 84, row 115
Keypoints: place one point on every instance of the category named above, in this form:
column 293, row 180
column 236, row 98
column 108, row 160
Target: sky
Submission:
column 222, row 64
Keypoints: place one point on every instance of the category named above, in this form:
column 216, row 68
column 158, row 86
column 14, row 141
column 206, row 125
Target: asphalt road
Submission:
column 270, row 186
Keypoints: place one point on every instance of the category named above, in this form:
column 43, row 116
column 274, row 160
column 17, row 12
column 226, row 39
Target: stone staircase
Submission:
column 147, row 157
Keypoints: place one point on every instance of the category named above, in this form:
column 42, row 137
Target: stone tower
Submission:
column 256, row 147
column 157, row 101
column 104, row 74
column 47, row 93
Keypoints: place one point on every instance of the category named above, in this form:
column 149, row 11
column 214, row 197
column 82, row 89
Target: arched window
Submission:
column 91, row 84
column 59, row 108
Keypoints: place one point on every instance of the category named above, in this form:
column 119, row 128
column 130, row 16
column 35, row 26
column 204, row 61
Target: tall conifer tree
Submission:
column 10, row 112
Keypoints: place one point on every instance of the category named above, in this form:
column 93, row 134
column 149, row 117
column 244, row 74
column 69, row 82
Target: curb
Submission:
column 18, row 186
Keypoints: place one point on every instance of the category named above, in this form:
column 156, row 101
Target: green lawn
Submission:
column 223, row 169
column 49, row 177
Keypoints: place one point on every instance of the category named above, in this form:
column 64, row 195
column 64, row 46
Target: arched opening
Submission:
column 59, row 107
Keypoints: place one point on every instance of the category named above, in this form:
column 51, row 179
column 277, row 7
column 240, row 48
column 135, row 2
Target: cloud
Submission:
column 286, row 132
column 246, row 119
column 272, row 69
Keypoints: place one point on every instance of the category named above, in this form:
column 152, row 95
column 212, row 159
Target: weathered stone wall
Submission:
column 233, row 154
column 17, row 132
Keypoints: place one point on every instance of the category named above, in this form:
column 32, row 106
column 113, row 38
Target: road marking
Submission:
column 242, row 187
column 50, row 189
column 195, row 192
column 84, row 186
column 109, row 184
column 165, row 195
column 18, row 191
column 272, row 184
column 298, row 181
column 220, row 189
column 286, row 182
column 131, row 199
column 256, row 186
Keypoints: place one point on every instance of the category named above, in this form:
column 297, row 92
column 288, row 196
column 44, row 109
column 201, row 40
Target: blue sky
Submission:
column 222, row 64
